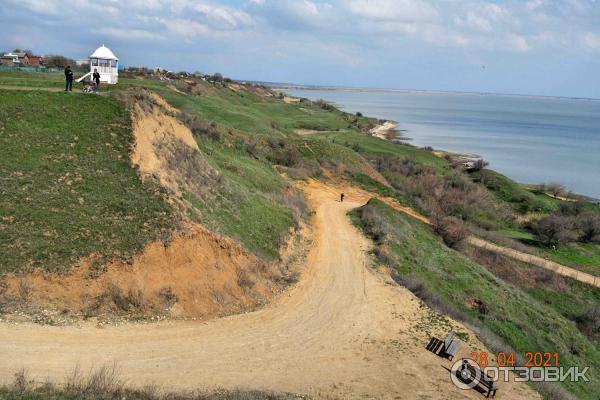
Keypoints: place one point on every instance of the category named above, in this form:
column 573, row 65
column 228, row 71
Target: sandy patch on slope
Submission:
column 381, row 131
column 153, row 132
column 199, row 274
column 343, row 331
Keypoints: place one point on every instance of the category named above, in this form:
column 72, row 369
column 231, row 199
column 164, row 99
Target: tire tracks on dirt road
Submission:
column 343, row 331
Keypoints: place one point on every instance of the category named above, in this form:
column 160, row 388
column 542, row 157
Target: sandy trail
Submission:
column 507, row 251
column 77, row 90
column 341, row 332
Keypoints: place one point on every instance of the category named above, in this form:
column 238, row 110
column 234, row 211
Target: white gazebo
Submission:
column 107, row 64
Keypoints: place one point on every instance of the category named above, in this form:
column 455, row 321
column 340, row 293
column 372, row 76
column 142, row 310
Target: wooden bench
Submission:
column 472, row 372
column 446, row 348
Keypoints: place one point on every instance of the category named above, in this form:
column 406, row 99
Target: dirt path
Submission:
column 507, row 251
column 46, row 89
column 31, row 88
column 342, row 332
column 538, row 261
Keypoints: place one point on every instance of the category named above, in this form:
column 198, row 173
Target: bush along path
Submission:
column 505, row 251
column 342, row 332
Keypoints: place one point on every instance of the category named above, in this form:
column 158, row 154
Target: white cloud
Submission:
column 517, row 43
column 591, row 40
column 402, row 10
column 187, row 28
column 479, row 25
column 121, row 33
column 220, row 15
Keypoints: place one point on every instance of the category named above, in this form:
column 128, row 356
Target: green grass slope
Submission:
column 447, row 279
column 67, row 189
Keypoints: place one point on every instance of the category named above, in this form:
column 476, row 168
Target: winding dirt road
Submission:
column 343, row 331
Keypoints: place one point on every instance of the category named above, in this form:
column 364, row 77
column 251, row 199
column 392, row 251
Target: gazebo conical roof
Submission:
column 104, row 53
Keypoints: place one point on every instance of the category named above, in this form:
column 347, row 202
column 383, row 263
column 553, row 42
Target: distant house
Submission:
column 10, row 59
column 20, row 59
column 31, row 60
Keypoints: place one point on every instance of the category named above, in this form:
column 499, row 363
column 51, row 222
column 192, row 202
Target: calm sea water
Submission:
column 530, row 139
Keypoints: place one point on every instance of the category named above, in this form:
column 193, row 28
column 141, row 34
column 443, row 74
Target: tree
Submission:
column 479, row 164
column 556, row 189
column 555, row 230
column 57, row 61
column 589, row 225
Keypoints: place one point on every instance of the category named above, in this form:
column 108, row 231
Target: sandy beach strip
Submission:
column 383, row 130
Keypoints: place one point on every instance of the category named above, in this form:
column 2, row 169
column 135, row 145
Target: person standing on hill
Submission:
column 96, row 80
column 342, row 198
column 69, row 79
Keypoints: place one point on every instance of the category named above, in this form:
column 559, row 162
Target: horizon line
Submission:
column 282, row 85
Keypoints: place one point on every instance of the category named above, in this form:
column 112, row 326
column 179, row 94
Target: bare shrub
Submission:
column 103, row 380
column 589, row 225
column 297, row 202
column 199, row 127
column 22, row 384
column 24, row 290
column 572, row 208
column 555, row 230
column 194, row 170
column 305, row 169
column 512, row 271
column 407, row 166
column 115, row 295
column 135, row 297
column 217, row 77
column 555, row 189
column 383, row 256
column 244, row 280
column 452, row 230
column 253, row 149
column 478, row 165
column 457, row 180
column 324, row 105
column 588, row 322
column 139, row 97
column 375, row 224
column 104, row 384
column 168, row 297
column 288, row 157
column 275, row 143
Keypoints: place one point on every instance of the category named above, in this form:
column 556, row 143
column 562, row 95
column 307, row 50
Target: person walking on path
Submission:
column 96, row 80
column 342, row 198
column 69, row 79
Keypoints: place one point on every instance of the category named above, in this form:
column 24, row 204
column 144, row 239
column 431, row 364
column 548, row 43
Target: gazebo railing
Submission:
column 104, row 69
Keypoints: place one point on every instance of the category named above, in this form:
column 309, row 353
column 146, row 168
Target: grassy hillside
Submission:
column 453, row 283
column 68, row 189
column 521, row 199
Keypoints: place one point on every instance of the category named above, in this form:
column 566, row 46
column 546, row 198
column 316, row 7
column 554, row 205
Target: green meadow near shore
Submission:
column 69, row 191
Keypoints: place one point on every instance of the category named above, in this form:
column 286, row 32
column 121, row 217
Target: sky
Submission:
column 540, row 47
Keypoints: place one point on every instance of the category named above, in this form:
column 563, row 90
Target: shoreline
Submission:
column 387, row 130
